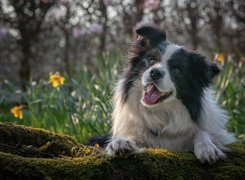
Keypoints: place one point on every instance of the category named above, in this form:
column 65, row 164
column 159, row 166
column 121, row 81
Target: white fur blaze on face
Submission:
column 163, row 90
column 170, row 50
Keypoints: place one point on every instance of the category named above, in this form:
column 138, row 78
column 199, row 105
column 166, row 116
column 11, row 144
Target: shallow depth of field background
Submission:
column 87, row 41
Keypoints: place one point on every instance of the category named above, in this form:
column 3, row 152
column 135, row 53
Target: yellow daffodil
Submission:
column 17, row 112
column 220, row 57
column 56, row 80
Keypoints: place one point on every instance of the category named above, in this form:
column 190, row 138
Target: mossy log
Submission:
column 29, row 153
column 33, row 142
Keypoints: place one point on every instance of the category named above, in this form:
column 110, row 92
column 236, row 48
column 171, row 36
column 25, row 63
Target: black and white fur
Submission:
column 185, row 118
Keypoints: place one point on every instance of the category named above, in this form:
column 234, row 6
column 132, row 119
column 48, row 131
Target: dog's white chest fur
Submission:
column 170, row 127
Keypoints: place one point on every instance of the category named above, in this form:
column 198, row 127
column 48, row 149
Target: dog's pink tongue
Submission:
column 151, row 95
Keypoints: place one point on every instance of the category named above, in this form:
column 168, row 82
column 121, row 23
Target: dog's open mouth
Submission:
column 153, row 96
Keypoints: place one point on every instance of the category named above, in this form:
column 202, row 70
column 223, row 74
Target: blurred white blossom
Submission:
column 33, row 83
column 73, row 93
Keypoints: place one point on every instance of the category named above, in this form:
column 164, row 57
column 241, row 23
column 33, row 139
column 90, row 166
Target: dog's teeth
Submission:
column 165, row 93
column 148, row 87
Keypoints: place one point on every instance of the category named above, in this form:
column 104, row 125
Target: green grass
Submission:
column 231, row 94
column 81, row 107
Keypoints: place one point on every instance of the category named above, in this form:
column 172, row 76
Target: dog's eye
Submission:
column 151, row 61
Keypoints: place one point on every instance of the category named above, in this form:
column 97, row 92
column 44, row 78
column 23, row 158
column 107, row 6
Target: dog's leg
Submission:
column 122, row 145
column 204, row 149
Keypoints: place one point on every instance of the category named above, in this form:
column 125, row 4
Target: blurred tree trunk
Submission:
column 159, row 15
column 133, row 15
column 25, row 67
column 102, row 46
column 236, row 36
column 238, row 10
column 139, row 4
column 29, row 18
column 192, row 8
column 216, row 21
column 188, row 20
column 66, row 53
column 67, row 42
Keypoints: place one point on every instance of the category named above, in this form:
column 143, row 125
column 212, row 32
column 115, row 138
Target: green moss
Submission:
column 154, row 164
column 33, row 142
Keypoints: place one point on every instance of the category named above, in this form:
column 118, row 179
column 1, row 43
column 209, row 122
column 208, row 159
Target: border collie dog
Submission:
column 163, row 99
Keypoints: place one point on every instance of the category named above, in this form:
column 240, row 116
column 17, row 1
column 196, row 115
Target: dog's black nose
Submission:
column 156, row 74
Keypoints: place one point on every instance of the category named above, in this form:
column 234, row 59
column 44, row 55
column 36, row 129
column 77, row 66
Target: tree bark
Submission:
column 102, row 46
column 67, row 44
column 25, row 67
column 29, row 27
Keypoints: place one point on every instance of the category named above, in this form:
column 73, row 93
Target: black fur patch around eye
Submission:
column 195, row 73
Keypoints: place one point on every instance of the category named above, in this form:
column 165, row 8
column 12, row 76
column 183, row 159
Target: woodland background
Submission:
column 86, row 42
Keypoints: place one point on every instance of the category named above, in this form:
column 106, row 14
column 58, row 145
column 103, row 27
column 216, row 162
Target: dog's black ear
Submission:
column 214, row 70
column 204, row 70
column 151, row 33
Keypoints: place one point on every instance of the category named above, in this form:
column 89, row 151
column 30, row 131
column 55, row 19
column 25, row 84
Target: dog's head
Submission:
column 160, row 72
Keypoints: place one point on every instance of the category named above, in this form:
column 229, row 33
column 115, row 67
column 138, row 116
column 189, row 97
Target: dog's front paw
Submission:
column 120, row 145
column 208, row 152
